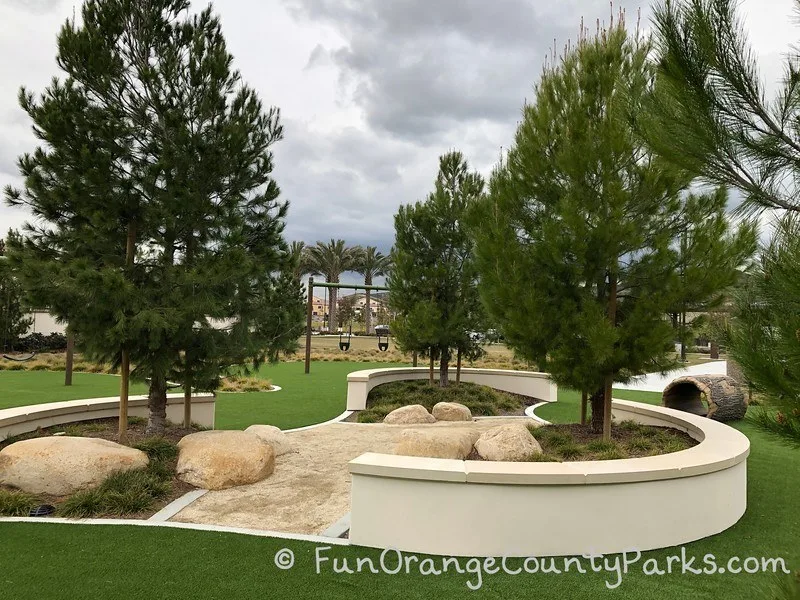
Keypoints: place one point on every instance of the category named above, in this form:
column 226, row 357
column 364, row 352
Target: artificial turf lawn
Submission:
column 22, row 388
column 81, row 561
column 303, row 399
column 54, row 561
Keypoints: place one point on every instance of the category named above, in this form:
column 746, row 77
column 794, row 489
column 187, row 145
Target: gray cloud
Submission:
column 418, row 68
column 33, row 6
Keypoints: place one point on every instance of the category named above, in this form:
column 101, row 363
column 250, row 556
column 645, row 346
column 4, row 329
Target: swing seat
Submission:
column 383, row 346
column 19, row 358
column 344, row 346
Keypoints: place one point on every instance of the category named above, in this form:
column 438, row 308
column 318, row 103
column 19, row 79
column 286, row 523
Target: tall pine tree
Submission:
column 160, row 215
column 433, row 282
column 575, row 240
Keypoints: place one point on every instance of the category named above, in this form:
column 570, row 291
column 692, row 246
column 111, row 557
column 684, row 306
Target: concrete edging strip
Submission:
column 177, row 505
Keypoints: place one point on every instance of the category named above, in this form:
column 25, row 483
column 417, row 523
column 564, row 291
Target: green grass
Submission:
column 97, row 562
column 21, row 388
column 567, row 409
column 304, row 399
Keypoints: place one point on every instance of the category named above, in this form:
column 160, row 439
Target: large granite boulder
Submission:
column 412, row 414
column 451, row 411
column 215, row 460
column 511, row 442
column 437, row 442
column 63, row 465
column 280, row 442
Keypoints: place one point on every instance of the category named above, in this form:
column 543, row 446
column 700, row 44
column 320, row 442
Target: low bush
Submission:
column 158, row 448
column 630, row 440
column 123, row 493
column 481, row 400
column 14, row 503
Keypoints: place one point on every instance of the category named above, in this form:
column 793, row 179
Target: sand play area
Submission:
column 310, row 488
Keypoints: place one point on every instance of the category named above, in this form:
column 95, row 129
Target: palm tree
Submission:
column 371, row 264
column 331, row 260
column 300, row 260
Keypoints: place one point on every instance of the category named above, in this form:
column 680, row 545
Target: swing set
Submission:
column 344, row 338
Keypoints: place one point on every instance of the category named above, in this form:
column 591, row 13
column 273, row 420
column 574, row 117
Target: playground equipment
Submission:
column 344, row 344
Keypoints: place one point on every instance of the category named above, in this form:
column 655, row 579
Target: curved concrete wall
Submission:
column 475, row 508
column 24, row 419
column 525, row 383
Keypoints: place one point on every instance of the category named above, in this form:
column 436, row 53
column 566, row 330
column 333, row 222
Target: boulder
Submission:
column 215, row 460
column 511, row 442
column 280, row 442
column 63, row 465
column 451, row 411
column 409, row 415
column 437, row 442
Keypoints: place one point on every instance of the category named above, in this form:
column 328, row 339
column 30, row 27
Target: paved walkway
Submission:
column 655, row 382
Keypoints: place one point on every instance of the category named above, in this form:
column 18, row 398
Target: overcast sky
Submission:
column 371, row 91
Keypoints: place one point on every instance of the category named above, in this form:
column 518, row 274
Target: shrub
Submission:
column 122, row 493
column 600, row 446
column 127, row 502
column 158, row 448
column 14, row 503
column 83, row 504
column 542, row 457
column 640, row 444
column 570, row 450
column 611, row 454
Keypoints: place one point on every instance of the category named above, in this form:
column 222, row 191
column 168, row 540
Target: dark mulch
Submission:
column 105, row 429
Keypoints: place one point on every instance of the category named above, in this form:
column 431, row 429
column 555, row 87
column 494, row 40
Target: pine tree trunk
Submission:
column 584, row 399
column 414, row 358
column 70, row 356
column 187, row 403
column 683, row 336
column 157, row 404
column 444, row 364
column 612, row 317
column 597, row 402
column 125, row 358
column 430, row 373
column 458, row 367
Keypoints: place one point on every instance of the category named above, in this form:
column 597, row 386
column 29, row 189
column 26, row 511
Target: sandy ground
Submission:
column 310, row 488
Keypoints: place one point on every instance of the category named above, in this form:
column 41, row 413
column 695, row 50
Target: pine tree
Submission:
column 709, row 113
column 711, row 257
column 154, row 181
column 764, row 330
column 575, row 241
column 433, row 283
column 13, row 320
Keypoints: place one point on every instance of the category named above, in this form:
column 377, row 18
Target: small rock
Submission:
column 451, row 411
column 215, row 460
column 62, row 465
column 511, row 442
column 438, row 442
column 409, row 415
column 280, row 442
